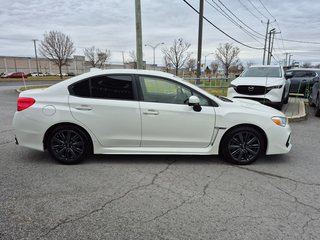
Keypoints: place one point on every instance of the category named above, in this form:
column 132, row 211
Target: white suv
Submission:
column 262, row 83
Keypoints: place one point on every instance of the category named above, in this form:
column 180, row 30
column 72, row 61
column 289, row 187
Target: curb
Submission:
column 302, row 112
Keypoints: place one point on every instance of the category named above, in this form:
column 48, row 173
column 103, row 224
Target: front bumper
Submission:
column 273, row 97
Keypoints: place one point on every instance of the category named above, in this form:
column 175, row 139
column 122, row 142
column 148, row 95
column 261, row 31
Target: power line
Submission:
column 250, row 11
column 240, row 19
column 220, row 29
column 257, row 9
column 226, row 15
column 300, row 41
column 267, row 10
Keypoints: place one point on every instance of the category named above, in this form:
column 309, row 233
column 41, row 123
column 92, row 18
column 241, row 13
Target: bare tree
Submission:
column 191, row 64
column 307, row 65
column 177, row 54
column 132, row 59
column 57, row 47
column 214, row 67
column 167, row 64
column 227, row 55
column 96, row 56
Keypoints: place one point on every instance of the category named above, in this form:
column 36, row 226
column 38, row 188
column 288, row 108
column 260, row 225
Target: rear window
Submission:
column 262, row 72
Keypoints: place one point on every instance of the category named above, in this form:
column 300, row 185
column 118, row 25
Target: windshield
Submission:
column 262, row 72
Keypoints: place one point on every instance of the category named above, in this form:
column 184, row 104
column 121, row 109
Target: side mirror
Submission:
column 316, row 79
column 288, row 75
column 195, row 102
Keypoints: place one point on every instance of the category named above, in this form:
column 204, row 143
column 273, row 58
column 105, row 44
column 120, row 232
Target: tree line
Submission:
column 58, row 47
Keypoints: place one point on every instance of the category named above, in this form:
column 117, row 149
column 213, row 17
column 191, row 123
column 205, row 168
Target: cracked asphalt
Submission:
column 159, row 197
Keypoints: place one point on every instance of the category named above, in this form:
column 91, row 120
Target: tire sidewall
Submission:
column 226, row 139
column 83, row 136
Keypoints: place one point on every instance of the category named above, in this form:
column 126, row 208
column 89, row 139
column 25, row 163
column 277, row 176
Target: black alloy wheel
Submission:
column 242, row 145
column 68, row 145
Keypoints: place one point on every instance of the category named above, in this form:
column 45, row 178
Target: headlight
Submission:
column 233, row 86
column 274, row 87
column 280, row 121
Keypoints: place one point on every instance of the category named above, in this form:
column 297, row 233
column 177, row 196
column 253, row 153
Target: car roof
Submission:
column 304, row 69
column 266, row 66
column 96, row 71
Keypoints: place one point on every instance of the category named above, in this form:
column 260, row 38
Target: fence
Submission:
column 216, row 86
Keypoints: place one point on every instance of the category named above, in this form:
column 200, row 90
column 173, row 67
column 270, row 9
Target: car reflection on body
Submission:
column 145, row 112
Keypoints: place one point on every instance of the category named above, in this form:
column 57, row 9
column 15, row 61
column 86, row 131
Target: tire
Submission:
column 242, row 145
column 311, row 104
column 317, row 110
column 286, row 100
column 68, row 144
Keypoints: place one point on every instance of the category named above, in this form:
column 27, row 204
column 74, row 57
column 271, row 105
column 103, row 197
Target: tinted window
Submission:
column 81, row 89
column 107, row 87
column 166, row 91
column 310, row 74
column 262, row 72
column 112, row 87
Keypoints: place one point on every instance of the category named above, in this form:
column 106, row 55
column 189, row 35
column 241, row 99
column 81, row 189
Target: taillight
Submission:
column 24, row 103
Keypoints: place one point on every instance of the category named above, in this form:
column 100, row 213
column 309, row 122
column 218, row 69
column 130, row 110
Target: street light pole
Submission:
column 35, row 53
column 154, row 53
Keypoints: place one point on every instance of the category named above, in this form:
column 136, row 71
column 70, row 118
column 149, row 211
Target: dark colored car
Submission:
column 302, row 79
column 17, row 75
column 314, row 97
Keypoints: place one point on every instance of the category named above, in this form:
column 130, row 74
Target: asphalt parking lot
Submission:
column 159, row 197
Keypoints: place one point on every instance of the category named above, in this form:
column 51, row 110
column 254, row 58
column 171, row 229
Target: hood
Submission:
column 258, row 81
column 256, row 106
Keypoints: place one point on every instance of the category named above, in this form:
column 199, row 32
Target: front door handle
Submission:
column 83, row 108
column 151, row 112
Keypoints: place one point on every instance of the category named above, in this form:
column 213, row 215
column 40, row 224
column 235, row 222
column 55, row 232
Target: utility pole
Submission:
column 269, row 46
column 271, row 49
column 199, row 41
column 35, row 53
column 138, row 34
column 290, row 55
column 265, row 43
column 286, row 59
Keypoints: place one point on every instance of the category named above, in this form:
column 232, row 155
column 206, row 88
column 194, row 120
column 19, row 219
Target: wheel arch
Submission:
column 49, row 131
column 260, row 130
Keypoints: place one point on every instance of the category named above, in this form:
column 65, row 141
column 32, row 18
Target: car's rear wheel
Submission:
column 317, row 110
column 68, row 144
column 242, row 145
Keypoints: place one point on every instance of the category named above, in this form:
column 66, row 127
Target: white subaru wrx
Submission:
column 145, row 112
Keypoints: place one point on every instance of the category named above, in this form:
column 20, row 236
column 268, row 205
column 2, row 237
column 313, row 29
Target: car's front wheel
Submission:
column 242, row 145
column 68, row 144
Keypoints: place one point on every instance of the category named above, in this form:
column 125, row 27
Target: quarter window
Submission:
column 112, row 87
column 106, row 87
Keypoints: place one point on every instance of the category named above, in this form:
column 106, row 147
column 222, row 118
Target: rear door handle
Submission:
column 151, row 112
column 83, row 108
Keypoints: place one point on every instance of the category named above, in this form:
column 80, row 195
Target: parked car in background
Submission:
column 145, row 112
column 15, row 75
column 314, row 97
column 263, row 83
column 37, row 74
column 302, row 79
column 71, row 74
column 63, row 74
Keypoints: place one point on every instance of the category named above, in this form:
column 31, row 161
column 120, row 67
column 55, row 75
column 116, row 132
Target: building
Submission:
column 76, row 65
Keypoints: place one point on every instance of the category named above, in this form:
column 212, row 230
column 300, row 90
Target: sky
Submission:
column 110, row 24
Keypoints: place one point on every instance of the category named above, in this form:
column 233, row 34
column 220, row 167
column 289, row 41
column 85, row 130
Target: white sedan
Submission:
column 145, row 112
